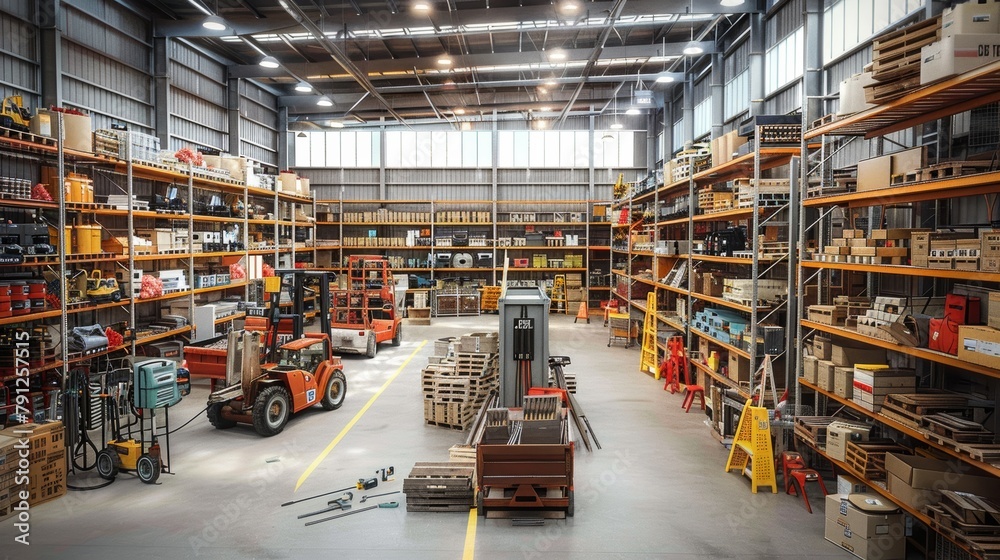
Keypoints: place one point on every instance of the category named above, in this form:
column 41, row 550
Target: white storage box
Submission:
column 957, row 55
column 975, row 16
column 852, row 94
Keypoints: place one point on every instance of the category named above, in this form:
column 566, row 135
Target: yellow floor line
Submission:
column 354, row 420
column 470, row 536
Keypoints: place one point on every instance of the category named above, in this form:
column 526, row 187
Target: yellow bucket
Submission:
column 67, row 238
column 85, row 239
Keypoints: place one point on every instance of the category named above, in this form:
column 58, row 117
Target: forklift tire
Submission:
column 398, row 337
column 148, row 468
column 372, row 346
column 215, row 417
column 335, row 391
column 271, row 411
column 108, row 464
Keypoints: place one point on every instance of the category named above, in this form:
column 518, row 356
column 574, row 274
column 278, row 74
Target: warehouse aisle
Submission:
column 656, row 490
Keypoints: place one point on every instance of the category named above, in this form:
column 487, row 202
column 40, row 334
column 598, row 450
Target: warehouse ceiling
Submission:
column 409, row 60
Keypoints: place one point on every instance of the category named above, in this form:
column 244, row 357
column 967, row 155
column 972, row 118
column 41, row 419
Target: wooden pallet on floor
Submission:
column 440, row 487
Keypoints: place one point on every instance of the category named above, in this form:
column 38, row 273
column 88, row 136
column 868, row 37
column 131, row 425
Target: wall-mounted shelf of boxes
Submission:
column 912, row 242
column 436, row 241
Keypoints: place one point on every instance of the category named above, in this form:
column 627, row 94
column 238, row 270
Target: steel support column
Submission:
column 756, row 63
column 161, row 91
column 49, row 12
column 718, row 92
column 233, row 109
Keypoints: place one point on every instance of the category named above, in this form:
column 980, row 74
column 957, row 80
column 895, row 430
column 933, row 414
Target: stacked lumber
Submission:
column 896, row 60
column 440, row 487
column 456, row 382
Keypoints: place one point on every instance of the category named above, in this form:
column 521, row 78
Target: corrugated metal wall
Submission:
column 106, row 52
column 786, row 101
column 197, row 99
column 19, row 51
column 258, row 124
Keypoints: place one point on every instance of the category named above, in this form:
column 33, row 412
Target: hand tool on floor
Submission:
column 365, row 497
column 386, row 473
column 367, row 483
column 383, row 505
column 319, row 495
column 342, row 503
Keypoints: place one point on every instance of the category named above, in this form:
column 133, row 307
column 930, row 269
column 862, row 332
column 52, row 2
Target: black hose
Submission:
column 189, row 421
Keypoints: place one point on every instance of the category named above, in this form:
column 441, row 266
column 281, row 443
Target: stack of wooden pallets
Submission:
column 440, row 487
column 455, row 382
column 896, row 60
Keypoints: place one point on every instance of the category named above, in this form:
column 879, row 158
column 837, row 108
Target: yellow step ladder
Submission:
column 752, row 444
column 558, row 303
column 649, row 358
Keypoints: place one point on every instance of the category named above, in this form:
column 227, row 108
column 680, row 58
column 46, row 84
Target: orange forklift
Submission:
column 265, row 389
column 364, row 312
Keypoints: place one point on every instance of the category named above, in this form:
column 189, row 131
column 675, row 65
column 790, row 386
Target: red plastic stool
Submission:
column 800, row 477
column 690, row 392
column 787, row 462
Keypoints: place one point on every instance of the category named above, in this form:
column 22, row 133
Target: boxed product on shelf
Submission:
column 825, row 372
column 842, row 355
column 847, row 484
column 917, row 481
column 979, row 344
column 839, row 433
column 822, row 346
column 957, row 54
column 843, row 381
column 852, row 94
column 872, row 382
column 827, row 314
column 810, row 367
column 77, row 129
column 975, row 16
column 866, row 525
column 878, row 172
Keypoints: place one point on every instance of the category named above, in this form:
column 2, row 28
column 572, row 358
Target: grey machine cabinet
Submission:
column 524, row 342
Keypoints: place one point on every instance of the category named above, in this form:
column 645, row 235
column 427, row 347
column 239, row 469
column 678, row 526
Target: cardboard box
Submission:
column 974, row 16
column 852, row 94
column 874, row 173
column 979, row 344
column 865, row 534
column 839, row 433
column 957, row 54
column 824, row 374
column 847, row 484
column 843, row 381
column 46, row 438
column 918, row 481
column 739, row 368
column 810, row 368
column 822, row 347
column 848, row 355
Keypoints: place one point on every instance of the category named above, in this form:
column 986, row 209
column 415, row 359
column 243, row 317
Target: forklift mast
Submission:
column 295, row 280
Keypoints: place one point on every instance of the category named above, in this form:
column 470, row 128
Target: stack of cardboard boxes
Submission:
column 866, row 525
column 969, row 39
column 45, row 458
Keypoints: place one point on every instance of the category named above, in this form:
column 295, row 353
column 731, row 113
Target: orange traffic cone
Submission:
column 583, row 313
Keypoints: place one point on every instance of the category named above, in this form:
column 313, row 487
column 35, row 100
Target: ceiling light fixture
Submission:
column 214, row 23
column 569, row 6
column 269, row 62
column 542, row 90
column 422, row 6
column 324, row 101
column 444, row 60
column 632, row 111
column 732, row 2
column 460, row 111
column 617, row 126
column 693, row 49
column 335, row 124
column 665, row 79
column 545, row 109
column 608, row 137
column 551, row 82
column 557, row 54
column 303, row 87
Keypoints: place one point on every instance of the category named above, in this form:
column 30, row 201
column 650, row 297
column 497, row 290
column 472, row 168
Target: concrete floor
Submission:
column 656, row 490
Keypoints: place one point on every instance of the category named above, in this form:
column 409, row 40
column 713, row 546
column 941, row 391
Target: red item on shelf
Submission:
column 39, row 192
column 237, row 272
column 114, row 338
column 151, row 287
column 267, row 270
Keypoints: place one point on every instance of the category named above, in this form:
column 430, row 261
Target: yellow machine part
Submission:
column 128, row 451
